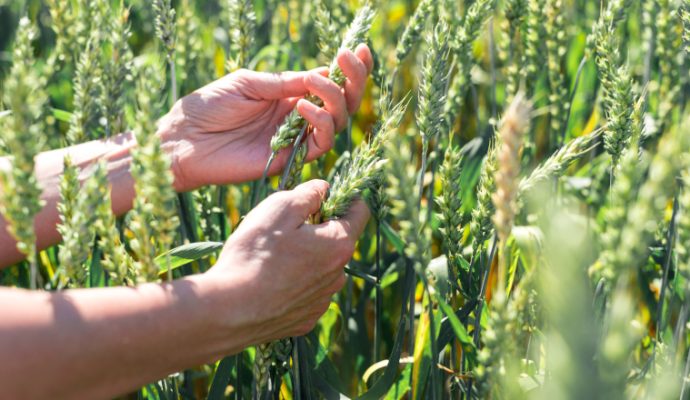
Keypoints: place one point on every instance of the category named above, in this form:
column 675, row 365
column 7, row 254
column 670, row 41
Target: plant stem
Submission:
column 580, row 68
column 33, row 272
column 295, row 148
column 377, row 291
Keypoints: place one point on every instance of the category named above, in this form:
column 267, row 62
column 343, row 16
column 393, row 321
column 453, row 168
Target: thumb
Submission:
column 356, row 219
column 305, row 200
column 350, row 226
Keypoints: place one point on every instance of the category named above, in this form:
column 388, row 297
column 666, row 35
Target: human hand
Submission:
column 288, row 269
column 220, row 134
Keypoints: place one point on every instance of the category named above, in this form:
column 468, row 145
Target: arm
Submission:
column 49, row 168
column 99, row 343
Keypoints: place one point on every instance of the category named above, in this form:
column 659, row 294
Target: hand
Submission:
column 289, row 269
column 220, row 134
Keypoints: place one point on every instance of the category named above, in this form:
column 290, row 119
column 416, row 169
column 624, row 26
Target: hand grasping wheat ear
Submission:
column 293, row 129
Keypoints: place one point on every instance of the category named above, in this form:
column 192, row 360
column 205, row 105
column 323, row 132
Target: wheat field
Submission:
column 525, row 163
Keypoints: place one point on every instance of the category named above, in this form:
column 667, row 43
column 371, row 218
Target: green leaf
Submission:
column 402, row 386
column 185, row 254
column 458, row 328
column 393, row 237
column 61, row 115
column 221, row 378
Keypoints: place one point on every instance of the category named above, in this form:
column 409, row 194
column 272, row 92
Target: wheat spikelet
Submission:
column 627, row 236
column 294, row 176
column 668, row 41
column 495, row 358
column 405, row 203
column 514, row 125
column 556, row 165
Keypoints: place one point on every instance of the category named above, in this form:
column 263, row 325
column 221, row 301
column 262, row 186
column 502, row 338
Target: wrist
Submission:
column 227, row 302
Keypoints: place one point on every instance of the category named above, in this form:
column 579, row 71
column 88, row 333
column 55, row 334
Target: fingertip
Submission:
column 364, row 54
column 320, row 71
column 319, row 186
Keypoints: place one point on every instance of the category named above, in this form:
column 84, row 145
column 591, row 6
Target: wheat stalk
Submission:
column 326, row 32
column 477, row 13
column 432, row 94
column 413, row 30
column 514, row 125
column 86, row 93
column 556, row 44
column 617, row 100
column 515, row 14
column 450, row 205
column 242, row 23
column 685, row 19
column 532, row 43
column 117, row 71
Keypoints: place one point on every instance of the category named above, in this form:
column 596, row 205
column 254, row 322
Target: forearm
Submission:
column 98, row 343
column 49, row 168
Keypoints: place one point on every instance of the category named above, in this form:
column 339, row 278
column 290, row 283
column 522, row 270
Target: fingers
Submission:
column 323, row 137
column 332, row 96
column 356, row 66
column 271, row 86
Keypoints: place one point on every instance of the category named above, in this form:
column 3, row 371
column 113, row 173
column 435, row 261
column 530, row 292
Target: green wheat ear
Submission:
column 25, row 96
column 364, row 169
column 154, row 218
column 79, row 218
